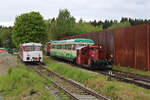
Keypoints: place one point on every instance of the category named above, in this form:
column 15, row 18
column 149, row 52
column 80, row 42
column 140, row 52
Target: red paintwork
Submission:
column 35, row 59
column 48, row 47
column 92, row 53
column 3, row 49
column 24, row 48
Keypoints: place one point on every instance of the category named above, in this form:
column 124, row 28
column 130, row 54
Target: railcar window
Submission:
column 66, row 46
column 55, row 47
column 52, row 46
column 27, row 48
column 59, row 46
column 69, row 46
column 73, row 47
column 63, row 46
column 36, row 48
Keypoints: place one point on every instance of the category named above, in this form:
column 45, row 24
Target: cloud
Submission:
column 86, row 9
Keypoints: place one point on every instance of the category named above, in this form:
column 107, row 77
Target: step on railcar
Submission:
column 31, row 52
column 80, row 51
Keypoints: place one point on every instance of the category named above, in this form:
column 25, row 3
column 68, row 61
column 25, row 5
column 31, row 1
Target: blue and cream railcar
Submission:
column 31, row 52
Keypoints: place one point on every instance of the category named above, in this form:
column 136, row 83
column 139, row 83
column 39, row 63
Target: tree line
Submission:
column 32, row 27
column 108, row 23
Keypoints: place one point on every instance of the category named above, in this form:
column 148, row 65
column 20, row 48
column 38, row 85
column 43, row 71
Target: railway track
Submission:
column 137, row 79
column 74, row 90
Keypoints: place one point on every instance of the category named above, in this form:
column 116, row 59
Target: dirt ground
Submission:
column 6, row 61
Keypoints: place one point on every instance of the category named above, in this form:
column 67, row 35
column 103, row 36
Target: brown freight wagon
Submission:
column 129, row 45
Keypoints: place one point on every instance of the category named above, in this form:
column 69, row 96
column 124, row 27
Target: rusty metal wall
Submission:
column 129, row 45
column 141, row 46
column 124, row 47
column 132, row 46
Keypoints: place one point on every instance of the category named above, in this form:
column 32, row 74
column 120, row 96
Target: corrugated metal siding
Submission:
column 130, row 45
column 124, row 47
column 141, row 46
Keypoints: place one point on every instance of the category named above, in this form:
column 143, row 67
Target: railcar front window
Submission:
column 27, row 48
column 36, row 48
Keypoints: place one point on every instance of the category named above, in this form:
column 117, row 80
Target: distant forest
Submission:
column 108, row 23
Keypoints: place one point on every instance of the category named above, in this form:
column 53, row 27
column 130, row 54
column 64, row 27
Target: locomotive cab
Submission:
column 93, row 57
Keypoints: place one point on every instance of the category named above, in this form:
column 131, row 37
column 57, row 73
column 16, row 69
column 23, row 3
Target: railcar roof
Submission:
column 31, row 44
column 78, row 40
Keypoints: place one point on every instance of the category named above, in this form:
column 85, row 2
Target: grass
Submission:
column 131, row 70
column 113, row 89
column 22, row 82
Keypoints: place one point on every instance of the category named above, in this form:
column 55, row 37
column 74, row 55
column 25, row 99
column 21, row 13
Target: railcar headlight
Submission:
column 111, row 55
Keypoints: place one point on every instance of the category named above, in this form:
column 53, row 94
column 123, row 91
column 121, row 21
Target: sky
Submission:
column 85, row 9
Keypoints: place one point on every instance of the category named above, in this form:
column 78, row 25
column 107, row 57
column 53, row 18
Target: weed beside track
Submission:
column 113, row 89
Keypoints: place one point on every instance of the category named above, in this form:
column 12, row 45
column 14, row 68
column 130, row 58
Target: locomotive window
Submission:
column 84, row 52
column 78, row 52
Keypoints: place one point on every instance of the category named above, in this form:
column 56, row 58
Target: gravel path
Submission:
column 6, row 61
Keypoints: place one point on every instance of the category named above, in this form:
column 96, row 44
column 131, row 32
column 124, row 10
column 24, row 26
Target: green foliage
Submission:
column 22, row 81
column 5, row 37
column 84, row 27
column 111, row 91
column 51, row 25
column 118, row 25
column 29, row 27
column 108, row 23
column 64, row 23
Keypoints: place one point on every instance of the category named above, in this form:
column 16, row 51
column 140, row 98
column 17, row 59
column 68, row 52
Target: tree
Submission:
column 29, row 27
column 85, row 27
column 118, row 25
column 64, row 23
column 51, row 25
column 5, row 37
